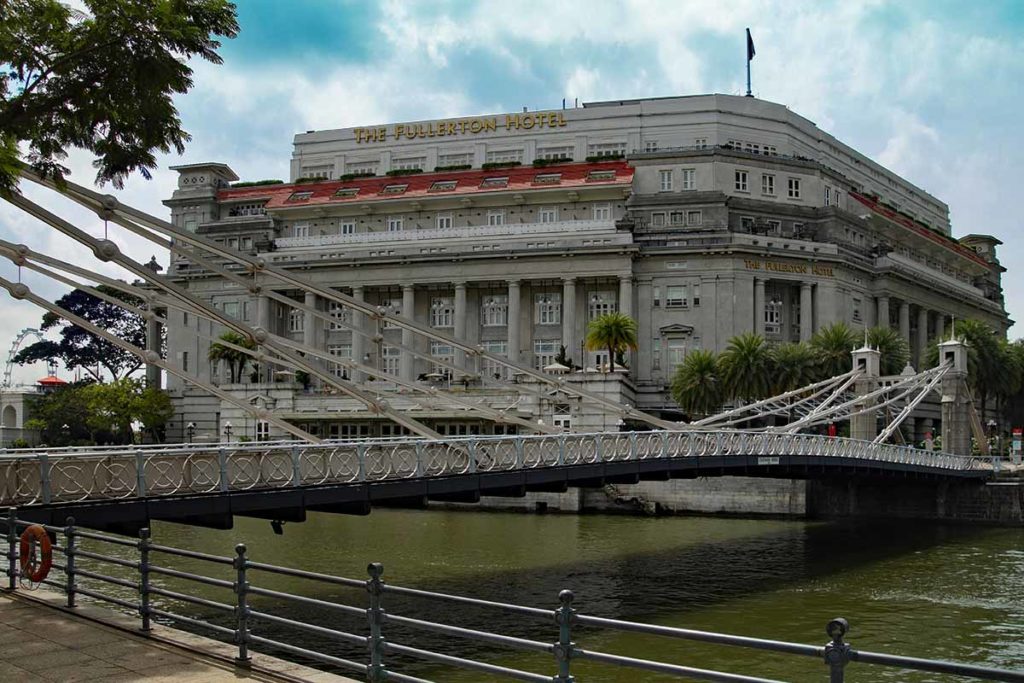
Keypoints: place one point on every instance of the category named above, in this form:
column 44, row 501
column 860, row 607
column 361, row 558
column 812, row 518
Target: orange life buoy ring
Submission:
column 30, row 537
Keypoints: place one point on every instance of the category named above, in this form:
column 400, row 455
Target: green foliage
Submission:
column 615, row 332
column 893, row 349
column 541, row 163
column 403, row 171
column 697, row 385
column 90, row 413
column 490, row 165
column 605, row 157
column 746, row 367
column 454, row 167
column 101, row 80
column 20, row 443
column 794, row 365
column 991, row 363
column 257, row 183
column 563, row 359
column 345, row 177
column 79, row 348
column 833, row 344
column 235, row 359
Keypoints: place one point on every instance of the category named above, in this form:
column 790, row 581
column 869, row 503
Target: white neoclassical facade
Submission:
column 701, row 217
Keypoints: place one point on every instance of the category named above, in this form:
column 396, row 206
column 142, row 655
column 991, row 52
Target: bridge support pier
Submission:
column 956, row 401
column 864, row 426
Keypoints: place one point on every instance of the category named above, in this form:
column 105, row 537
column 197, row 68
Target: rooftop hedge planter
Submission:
column 500, row 164
column 403, row 171
column 605, row 157
column 541, row 163
column 352, row 176
column 453, row 167
column 257, row 183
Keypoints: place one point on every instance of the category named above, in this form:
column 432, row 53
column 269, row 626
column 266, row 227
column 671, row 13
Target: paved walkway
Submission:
column 40, row 642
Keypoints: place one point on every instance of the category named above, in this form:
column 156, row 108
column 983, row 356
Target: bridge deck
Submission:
column 43, row 642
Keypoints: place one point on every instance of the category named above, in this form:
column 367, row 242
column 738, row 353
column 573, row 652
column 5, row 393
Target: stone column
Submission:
column 460, row 323
column 358, row 340
column 309, row 322
column 153, row 334
column 759, row 306
column 826, row 304
column 263, row 321
column 569, row 317
column 922, row 336
column 806, row 312
column 940, row 326
column 626, row 295
column 514, row 296
column 905, row 322
column 407, row 361
column 883, row 311
column 864, row 426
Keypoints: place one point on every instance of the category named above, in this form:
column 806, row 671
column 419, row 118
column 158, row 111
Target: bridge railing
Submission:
column 136, row 579
column 56, row 476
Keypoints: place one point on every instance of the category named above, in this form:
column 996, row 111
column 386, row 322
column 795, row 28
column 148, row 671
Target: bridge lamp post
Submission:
column 227, row 430
column 993, row 438
column 191, row 429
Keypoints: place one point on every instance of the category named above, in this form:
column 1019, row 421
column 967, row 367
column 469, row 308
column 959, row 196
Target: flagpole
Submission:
column 749, row 94
column 750, row 55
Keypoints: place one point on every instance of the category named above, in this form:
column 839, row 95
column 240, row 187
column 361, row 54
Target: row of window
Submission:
column 767, row 184
column 690, row 219
column 446, row 221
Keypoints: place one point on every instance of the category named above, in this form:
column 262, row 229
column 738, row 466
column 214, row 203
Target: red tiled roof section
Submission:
column 942, row 240
column 520, row 178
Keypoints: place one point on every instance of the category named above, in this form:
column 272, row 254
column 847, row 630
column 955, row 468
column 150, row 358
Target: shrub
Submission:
column 257, row 183
column 454, row 167
column 500, row 164
column 403, row 171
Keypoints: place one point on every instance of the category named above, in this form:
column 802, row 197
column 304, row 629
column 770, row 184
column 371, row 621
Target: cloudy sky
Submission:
column 931, row 89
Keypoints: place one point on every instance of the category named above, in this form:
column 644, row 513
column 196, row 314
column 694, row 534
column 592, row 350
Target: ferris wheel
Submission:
column 51, row 365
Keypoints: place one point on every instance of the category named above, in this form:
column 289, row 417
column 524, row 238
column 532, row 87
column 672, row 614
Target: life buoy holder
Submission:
column 34, row 568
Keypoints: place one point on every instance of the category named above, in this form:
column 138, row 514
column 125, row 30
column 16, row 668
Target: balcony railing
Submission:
column 469, row 232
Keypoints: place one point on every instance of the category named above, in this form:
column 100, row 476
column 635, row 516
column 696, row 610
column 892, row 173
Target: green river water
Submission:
column 920, row 589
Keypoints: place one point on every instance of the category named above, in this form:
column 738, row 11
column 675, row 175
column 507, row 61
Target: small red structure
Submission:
column 51, row 382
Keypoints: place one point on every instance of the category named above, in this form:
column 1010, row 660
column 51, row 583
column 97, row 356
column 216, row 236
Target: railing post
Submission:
column 140, row 473
column 519, row 452
column 361, row 456
column 376, row 617
column 222, row 461
column 296, row 467
column 12, row 548
column 242, row 606
column 837, row 652
column 69, row 560
column 565, row 616
column 44, row 478
column 144, row 578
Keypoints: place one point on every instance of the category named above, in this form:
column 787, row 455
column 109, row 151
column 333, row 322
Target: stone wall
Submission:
column 966, row 501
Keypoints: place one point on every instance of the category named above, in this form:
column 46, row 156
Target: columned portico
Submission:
column 940, row 326
column 922, row 336
column 310, row 325
column 759, row 306
column 883, row 311
column 514, row 297
column 358, row 341
column 569, row 316
column 407, row 362
column 460, row 323
column 626, row 295
column 806, row 312
column 154, row 334
column 905, row 322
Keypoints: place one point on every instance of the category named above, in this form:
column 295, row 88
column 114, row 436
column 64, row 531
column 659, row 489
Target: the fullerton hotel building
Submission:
column 701, row 217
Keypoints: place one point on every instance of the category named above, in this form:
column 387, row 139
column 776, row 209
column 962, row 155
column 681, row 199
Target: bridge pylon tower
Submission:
column 957, row 405
column 864, row 423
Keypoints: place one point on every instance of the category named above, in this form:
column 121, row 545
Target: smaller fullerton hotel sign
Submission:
column 473, row 126
column 794, row 268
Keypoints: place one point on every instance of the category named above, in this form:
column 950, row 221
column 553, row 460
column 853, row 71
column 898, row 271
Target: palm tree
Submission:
column 234, row 358
column 746, row 367
column 796, row 365
column 696, row 385
column 833, row 344
column 986, row 358
column 893, row 349
column 614, row 332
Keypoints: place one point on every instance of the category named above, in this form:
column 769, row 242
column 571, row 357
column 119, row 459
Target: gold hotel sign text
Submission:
column 794, row 268
column 474, row 126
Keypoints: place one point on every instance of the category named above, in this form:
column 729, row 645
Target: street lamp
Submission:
column 191, row 429
column 227, row 430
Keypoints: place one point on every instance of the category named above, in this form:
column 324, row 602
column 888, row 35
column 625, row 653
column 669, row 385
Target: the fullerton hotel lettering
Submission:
column 474, row 126
column 794, row 268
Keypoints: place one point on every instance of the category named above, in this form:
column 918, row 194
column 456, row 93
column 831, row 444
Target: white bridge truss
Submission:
column 820, row 403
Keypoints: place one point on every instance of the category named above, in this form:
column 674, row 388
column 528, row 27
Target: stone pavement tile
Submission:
column 73, row 673
column 191, row 671
column 20, row 675
column 60, row 658
column 95, row 636
column 119, row 649
column 26, row 647
column 149, row 658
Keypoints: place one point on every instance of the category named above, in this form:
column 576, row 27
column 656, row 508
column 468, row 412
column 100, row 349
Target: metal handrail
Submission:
column 836, row 654
column 78, row 476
